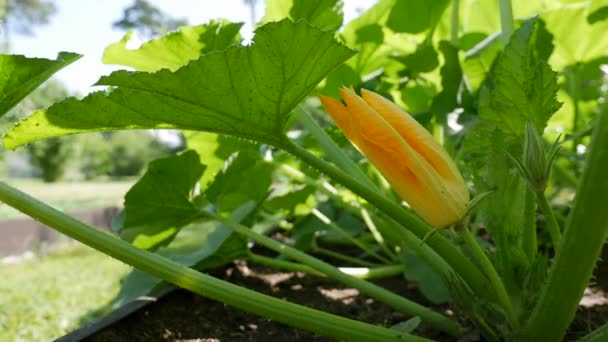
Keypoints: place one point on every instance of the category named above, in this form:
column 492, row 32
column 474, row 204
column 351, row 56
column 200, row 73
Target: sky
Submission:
column 85, row 27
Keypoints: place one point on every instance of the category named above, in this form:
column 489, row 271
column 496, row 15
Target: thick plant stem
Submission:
column 404, row 305
column 493, row 276
column 529, row 239
column 357, row 272
column 187, row 278
column 580, row 247
column 550, row 220
column 506, row 20
column 442, row 246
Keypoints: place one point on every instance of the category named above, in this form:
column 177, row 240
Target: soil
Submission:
column 186, row 317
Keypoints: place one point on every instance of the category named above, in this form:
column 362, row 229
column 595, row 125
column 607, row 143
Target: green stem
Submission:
column 333, row 151
column 493, row 276
column 369, row 222
column 402, row 304
column 529, row 240
column 506, row 20
column 357, row 272
column 442, row 246
column 342, row 257
column 574, row 95
column 598, row 335
column 454, row 22
column 550, row 220
column 187, row 278
column 367, row 249
column 283, row 264
column 580, row 247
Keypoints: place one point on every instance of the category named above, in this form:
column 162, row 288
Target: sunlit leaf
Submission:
column 214, row 150
column 324, row 14
column 242, row 91
column 415, row 16
column 163, row 196
column 578, row 40
column 230, row 188
column 20, row 75
column 201, row 245
column 521, row 86
column 451, row 76
column 598, row 11
column 175, row 49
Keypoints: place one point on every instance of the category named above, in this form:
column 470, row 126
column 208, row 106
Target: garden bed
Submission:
column 184, row 316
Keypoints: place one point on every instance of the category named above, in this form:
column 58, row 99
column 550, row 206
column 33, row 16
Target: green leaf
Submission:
column 245, row 177
column 416, row 16
column 201, row 245
column 296, row 201
column 163, row 196
column 521, row 85
column 175, row 49
column 242, row 91
column 324, row 14
column 20, row 75
column 430, row 283
column 578, row 41
column 215, row 149
column 408, row 326
column 451, row 76
column 424, row 59
column 478, row 61
column 598, row 11
column 368, row 34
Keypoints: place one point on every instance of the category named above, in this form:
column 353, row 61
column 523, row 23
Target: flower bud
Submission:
column 406, row 154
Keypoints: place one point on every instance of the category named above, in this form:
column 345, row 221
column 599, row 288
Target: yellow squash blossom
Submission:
column 406, row 154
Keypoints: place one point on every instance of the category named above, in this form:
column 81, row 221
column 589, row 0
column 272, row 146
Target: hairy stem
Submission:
column 580, row 247
column 491, row 273
column 550, row 220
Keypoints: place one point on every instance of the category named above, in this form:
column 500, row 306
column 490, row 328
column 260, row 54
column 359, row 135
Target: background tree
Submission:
column 21, row 16
column 132, row 150
column 147, row 20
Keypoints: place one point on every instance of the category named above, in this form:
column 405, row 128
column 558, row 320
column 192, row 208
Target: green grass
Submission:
column 70, row 196
column 46, row 298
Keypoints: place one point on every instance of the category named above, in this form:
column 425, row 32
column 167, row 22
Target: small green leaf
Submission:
column 175, row 49
column 324, row 14
column 201, row 245
column 408, row 326
column 215, row 149
column 163, row 196
column 368, row 34
column 231, row 188
column 451, row 76
column 424, row 59
column 20, row 75
column 430, row 283
column 521, row 85
column 242, row 91
column 416, row 16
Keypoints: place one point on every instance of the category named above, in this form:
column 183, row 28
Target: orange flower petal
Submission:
column 405, row 153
